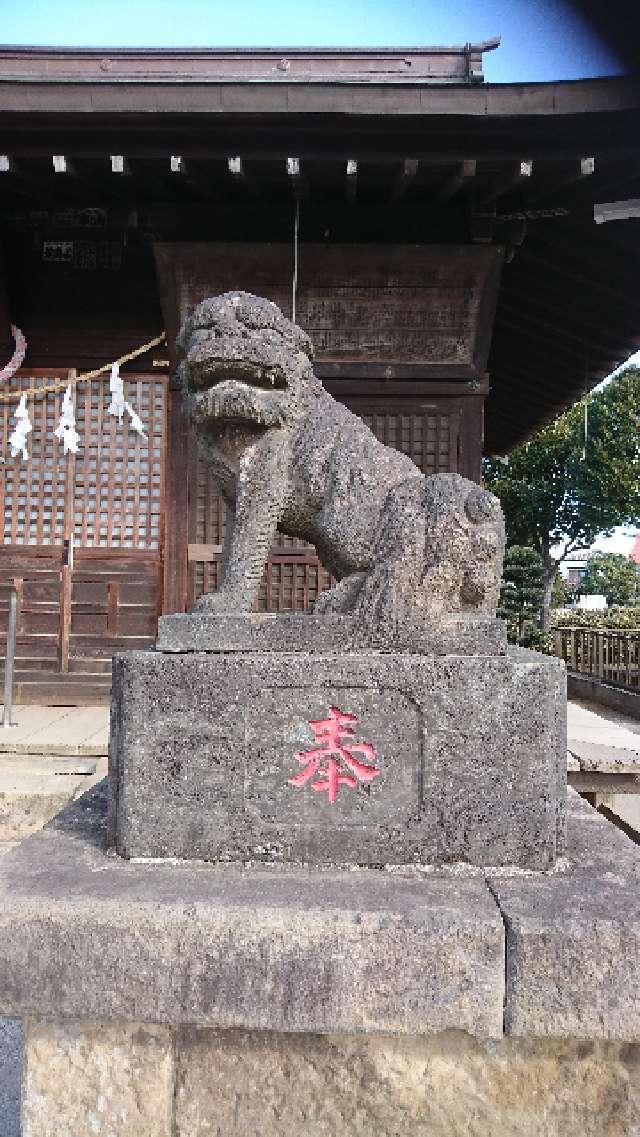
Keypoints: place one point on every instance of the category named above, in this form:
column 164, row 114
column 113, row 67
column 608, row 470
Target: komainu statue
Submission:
column 403, row 547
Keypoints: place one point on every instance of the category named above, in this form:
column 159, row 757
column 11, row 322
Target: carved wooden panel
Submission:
column 427, row 305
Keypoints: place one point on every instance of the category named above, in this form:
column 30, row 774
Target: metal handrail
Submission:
column 10, row 656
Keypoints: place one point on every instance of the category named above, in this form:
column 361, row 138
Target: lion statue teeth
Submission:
column 403, row 546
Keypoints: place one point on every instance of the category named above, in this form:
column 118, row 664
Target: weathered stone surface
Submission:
column 28, row 801
column 573, row 937
column 407, row 550
column 403, row 952
column 10, row 1073
column 82, row 1078
column 606, row 759
column 245, row 1084
column 292, row 631
column 83, row 934
column 471, row 754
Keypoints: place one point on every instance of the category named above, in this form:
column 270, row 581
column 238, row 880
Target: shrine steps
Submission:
column 48, row 687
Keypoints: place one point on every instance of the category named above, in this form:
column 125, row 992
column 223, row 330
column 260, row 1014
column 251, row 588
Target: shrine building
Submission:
column 442, row 240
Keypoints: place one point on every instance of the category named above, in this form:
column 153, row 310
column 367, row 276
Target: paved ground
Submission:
column 590, row 722
column 57, row 731
column 607, row 743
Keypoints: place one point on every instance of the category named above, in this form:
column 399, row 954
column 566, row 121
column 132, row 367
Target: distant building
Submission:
column 574, row 568
column 634, row 555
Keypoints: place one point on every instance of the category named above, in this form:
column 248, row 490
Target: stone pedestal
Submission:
column 219, row 756
column 406, row 942
column 191, row 1000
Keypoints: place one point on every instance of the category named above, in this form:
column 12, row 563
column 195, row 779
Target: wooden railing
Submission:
column 608, row 654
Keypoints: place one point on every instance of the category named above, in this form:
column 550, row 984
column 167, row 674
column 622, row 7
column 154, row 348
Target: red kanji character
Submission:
column 330, row 732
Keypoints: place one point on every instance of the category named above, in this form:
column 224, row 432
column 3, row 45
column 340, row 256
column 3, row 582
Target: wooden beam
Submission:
column 591, row 282
column 461, row 176
column 559, row 328
column 583, row 169
column 13, row 178
column 6, row 339
column 404, row 178
column 352, row 180
column 187, row 173
column 616, row 210
column 392, row 372
column 120, row 165
column 542, row 346
column 512, row 234
column 297, row 180
column 62, row 165
column 236, row 169
column 519, row 173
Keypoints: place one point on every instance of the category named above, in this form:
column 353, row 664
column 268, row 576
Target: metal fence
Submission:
column 613, row 656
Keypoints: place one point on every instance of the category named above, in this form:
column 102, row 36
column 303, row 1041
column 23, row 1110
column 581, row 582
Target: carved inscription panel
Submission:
column 429, row 304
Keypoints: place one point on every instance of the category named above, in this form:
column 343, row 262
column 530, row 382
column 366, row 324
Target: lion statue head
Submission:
column 244, row 363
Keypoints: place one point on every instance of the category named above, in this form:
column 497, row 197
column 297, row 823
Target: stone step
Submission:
column 19, row 764
column 64, row 731
column 32, row 791
column 62, row 691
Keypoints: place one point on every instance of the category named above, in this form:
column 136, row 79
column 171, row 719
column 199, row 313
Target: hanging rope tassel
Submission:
column 135, row 422
column 18, row 436
column 66, row 429
column 119, row 405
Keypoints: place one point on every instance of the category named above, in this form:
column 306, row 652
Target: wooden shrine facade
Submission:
column 448, row 269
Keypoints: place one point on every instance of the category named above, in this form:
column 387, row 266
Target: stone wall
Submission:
column 137, row 1080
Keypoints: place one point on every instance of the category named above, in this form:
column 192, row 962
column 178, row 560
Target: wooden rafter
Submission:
column 463, row 174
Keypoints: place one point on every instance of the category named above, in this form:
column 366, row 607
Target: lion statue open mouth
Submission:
column 403, row 547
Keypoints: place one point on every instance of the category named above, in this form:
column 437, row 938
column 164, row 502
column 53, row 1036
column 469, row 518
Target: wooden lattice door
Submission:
column 83, row 533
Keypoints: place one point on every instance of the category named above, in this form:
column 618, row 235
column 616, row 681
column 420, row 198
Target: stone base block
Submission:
column 292, row 631
column 274, row 947
column 112, row 1079
column 361, row 759
column 137, row 1080
column 200, row 1000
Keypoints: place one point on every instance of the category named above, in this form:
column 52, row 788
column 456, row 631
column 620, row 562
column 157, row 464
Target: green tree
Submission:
column 521, row 594
column 564, row 488
column 561, row 593
column 612, row 575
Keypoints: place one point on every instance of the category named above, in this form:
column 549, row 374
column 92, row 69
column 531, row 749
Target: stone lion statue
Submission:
column 288, row 456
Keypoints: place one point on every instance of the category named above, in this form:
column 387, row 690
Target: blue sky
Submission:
column 541, row 39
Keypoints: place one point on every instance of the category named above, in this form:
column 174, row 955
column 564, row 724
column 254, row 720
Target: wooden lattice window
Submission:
column 33, row 492
column 110, row 494
column 428, row 437
column 119, row 475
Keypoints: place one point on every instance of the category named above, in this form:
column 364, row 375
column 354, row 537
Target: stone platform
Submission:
column 202, row 1000
column 220, row 756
